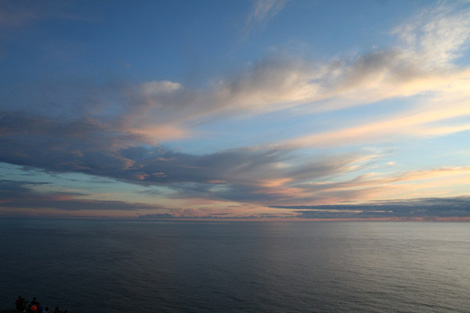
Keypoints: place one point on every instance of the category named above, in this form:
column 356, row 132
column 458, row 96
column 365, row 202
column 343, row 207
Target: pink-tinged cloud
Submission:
column 370, row 187
column 116, row 131
column 427, row 120
column 164, row 109
column 160, row 133
column 365, row 188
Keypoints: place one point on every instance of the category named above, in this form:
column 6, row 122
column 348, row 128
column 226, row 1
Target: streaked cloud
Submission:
column 264, row 9
column 16, row 14
column 165, row 110
column 435, row 117
column 13, row 16
column 422, row 207
column 17, row 195
column 262, row 12
column 436, row 35
column 128, row 130
column 385, row 186
column 412, row 68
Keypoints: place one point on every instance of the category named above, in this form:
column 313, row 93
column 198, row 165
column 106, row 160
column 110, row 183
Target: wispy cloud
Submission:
column 245, row 174
column 118, row 131
column 15, row 14
column 423, row 66
column 264, row 9
column 17, row 195
column 364, row 188
column 436, row 36
column 439, row 116
column 164, row 110
column 261, row 13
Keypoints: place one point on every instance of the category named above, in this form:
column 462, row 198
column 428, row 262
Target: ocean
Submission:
column 109, row 266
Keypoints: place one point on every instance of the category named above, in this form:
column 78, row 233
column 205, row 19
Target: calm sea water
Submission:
column 148, row 266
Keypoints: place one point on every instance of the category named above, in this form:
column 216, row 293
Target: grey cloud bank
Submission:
column 423, row 207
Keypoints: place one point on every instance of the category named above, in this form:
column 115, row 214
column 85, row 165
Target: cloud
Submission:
column 217, row 216
column 119, row 130
column 14, row 15
column 439, row 116
column 382, row 186
column 98, row 149
column 411, row 68
column 263, row 11
column 266, row 9
column 21, row 195
column 423, row 67
column 436, row 36
column 159, row 111
column 422, row 207
column 422, row 64
column 58, row 145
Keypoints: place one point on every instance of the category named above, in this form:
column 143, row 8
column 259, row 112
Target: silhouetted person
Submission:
column 24, row 304
column 34, row 301
column 20, row 303
column 57, row 310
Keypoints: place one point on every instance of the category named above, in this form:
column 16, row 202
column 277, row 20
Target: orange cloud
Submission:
column 159, row 133
column 417, row 122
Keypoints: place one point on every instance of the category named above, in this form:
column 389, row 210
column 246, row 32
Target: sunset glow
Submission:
column 260, row 110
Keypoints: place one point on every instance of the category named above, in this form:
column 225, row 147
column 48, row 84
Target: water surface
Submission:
column 152, row 266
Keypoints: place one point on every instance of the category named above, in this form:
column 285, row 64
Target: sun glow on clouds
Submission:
column 159, row 133
column 137, row 133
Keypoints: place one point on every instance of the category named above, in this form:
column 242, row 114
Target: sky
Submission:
column 256, row 109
